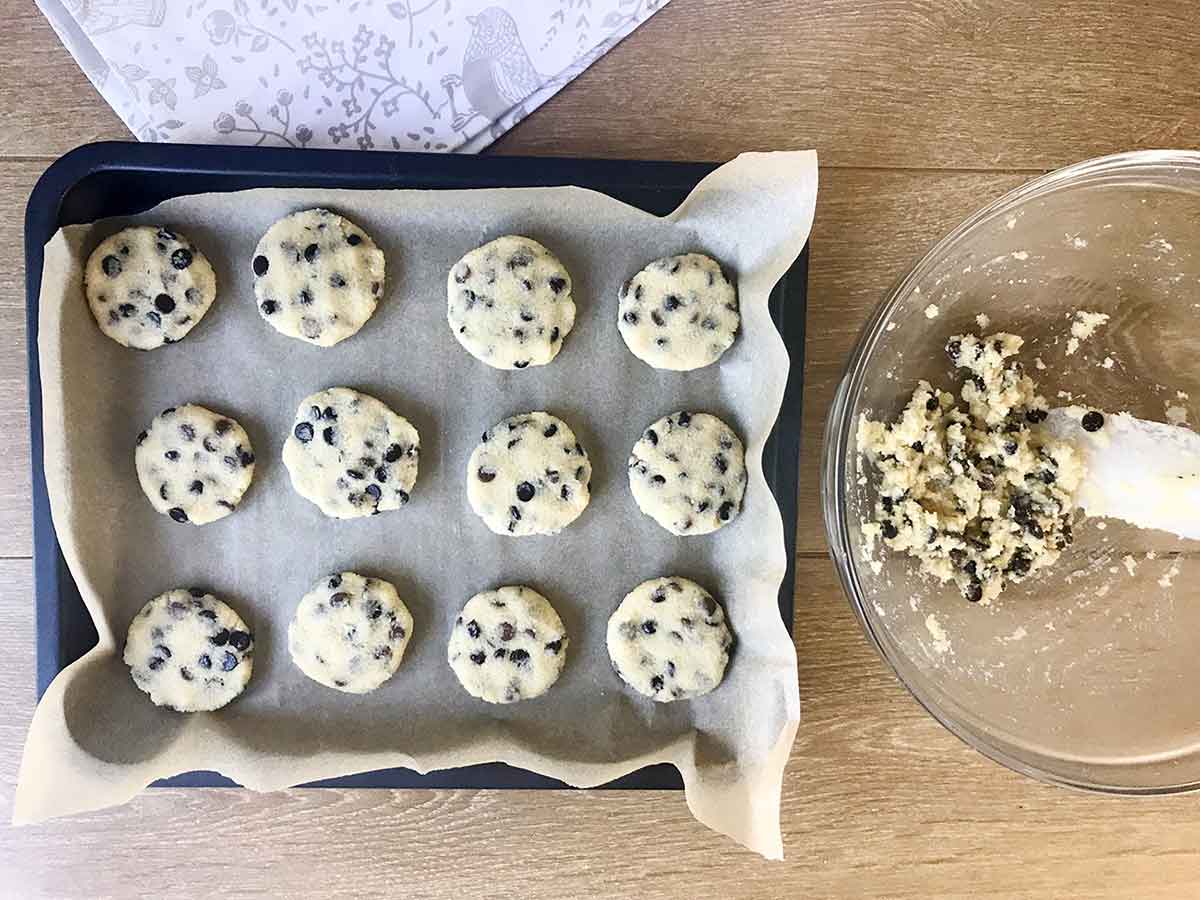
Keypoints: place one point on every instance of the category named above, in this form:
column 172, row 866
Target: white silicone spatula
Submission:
column 1146, row 473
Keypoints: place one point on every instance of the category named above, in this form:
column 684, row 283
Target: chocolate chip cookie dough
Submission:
column 350, row 632
column 193, row 464
column 507, row 645
column 971, row 488
column 688, row 473
column 189, row 651
column 679, row 313
column 668, row 639
column 317, row 277
column 148, row 286
column 529, row 475
column 509, row 303
column 351, row 455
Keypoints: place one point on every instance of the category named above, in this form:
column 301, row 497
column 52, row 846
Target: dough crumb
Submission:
column 941, row 642
column 931, row 311
column 1130, row 563
column 1084, row 327
column 1038, row 364
column 967, row 486
column 1177, row 415
column 1021, row 255
column 1169, row 576
column 1108, row 363
column 983, row 321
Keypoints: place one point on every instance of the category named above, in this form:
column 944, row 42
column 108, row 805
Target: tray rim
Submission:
column 43, row 217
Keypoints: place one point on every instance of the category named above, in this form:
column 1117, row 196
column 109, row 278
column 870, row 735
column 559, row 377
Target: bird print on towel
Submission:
column 497, row 73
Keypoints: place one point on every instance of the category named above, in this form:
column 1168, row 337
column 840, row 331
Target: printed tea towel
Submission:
column 448, row 75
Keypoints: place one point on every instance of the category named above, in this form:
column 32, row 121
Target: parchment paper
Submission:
column 96, row 740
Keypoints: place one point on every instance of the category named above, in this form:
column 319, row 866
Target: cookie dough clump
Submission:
column 972, row 488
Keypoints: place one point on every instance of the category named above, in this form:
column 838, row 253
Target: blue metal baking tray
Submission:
column 114, row 179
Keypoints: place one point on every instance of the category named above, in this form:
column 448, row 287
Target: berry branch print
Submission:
column 366, row 87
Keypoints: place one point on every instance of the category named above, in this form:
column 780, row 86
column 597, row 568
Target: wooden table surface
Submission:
column 922, row 111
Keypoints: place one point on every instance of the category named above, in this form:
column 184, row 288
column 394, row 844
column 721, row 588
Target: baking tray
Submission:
column 116, row 179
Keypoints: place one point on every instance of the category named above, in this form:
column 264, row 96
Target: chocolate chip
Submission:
column 721, row 463
column 507, row 632
column 554, row 646
column 305, row 297
column 478, row 657
column 657, row 318
column 1092, row 421
column 353, row 239
column 355, row 474
column 671, row 303
column 154, row 317
column 649, row 626
column 220, row 639
column 185, row 673
column 196, row 487
column 656, row 683
column 126, row 310
column 111, row 266
column 725, row 511
column 652, row 436
column 556, row 285
column 181, row 258
column 889, row 530
column 658, row 596
column 631, row 317
column 462, row 272
column 335, row 581
column 551, row 430
column 519, row 657
column 684, row 419
column 228, row 662
column 156, row 662
column 473, row 628
column 303, row 432
column 310, row 252
column 341, row 598
column 658, row 479
column 240, row 640
column 164, row 303
column 330, row 435
column 268, row 307
column 177, row 514
column 525, row 491
column 520, row 364
column 141, row 437
column 261, row 264
column 205, row 661
column 554, row 334
column 373, row 491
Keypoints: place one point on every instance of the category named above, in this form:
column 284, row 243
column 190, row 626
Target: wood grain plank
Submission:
column 17, row 178
column 969, row 83
column 878, row 801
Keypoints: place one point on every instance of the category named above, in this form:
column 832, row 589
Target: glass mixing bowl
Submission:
column 1085, row 674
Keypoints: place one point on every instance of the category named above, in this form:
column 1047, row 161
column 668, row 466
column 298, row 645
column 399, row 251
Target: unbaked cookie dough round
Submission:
column 508, row 645
column 351, row 455
column 350, row 632
column 529, row 475
column 509, row 303
column 317, row 276
column 668, row 639
column 194, row 464
column 148, row 286
column 688, row 473
column 679, row 313
column 189, row 651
